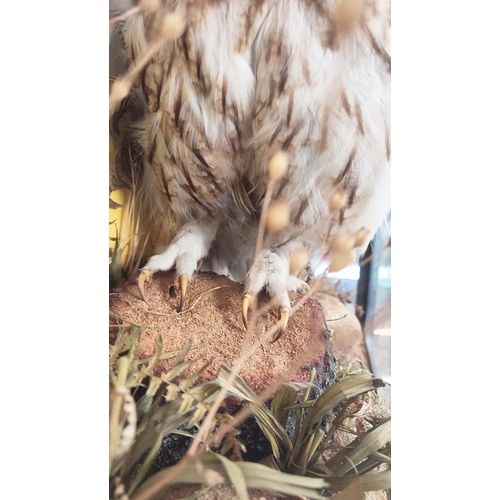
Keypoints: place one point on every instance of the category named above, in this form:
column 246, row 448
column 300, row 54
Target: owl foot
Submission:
column 191, row 244
column 146, row 275
column 270, row 271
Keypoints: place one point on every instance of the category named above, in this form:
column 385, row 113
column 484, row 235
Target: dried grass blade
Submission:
column 337, row 394
column 371, row 442
column 182, row 354
column 188, row 382
column 256, row 476
column 146, row 465
column 274, row 432
column 353, row 492
column 177, row 371
column 369, row 482
column 285, row 397
column 235, row 475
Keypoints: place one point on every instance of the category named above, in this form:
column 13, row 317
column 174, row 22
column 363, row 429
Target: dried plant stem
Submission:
column 121, row 318
column 242, row 415
column 336, row 319
column 149, row 327
column 247, row 354
column 262, row 221
column 373, row 255
column 263, row 396
column 130, row 12
column 326, row 236
column 300, row 411
column 255, row 316
column 135, row 69
column 159, row 313
column 116, row 408
column 195, row 448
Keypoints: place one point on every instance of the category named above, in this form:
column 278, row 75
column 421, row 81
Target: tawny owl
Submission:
column 248, row 78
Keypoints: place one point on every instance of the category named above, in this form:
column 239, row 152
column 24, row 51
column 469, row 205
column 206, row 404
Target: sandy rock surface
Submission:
column 212, row 320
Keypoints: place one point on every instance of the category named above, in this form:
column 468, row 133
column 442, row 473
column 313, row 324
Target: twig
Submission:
column 336, row 319
column 373, row 255
column 263, row 217
column 121, row 318
column 130, row 12
column 158, row 313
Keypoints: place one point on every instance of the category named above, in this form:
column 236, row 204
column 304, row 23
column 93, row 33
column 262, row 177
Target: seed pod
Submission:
column 211, row 477
column 173, row 26
column 339, row 261
column 348, row 15
column 361, row 236
column 278, row 217
column 278, row 166
column 149, row 5
column 337, row 201
column 119, row 89
column 299, row 259
column 343, row 242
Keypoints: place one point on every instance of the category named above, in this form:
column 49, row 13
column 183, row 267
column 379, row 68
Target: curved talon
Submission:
column 304, row 289
column 144, row 276
column 183, row 283
column 245, row 304
column 284, row 315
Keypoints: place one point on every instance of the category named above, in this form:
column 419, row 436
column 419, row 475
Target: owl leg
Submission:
column 271, row 271
column 190, row 245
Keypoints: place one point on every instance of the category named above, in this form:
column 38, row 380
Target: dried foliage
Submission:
column 352, row 405
column 146, row 407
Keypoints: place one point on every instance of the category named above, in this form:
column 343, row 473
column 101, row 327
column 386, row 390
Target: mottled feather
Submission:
column 246, row 79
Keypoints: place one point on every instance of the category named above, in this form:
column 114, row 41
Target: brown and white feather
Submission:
column 248, row 78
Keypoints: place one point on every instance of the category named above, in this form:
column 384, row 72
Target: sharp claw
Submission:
column 144, row 276
column 183, row 283
column 245, row 304
column 284, row 315
column 304, row 289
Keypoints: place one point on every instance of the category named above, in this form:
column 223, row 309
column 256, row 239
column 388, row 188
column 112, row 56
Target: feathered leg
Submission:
column 191, row 244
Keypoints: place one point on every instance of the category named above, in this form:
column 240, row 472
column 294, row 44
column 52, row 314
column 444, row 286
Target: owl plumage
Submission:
column 247, row 79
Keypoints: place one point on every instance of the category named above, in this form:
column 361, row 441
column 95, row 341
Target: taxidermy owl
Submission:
column 292, row 94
